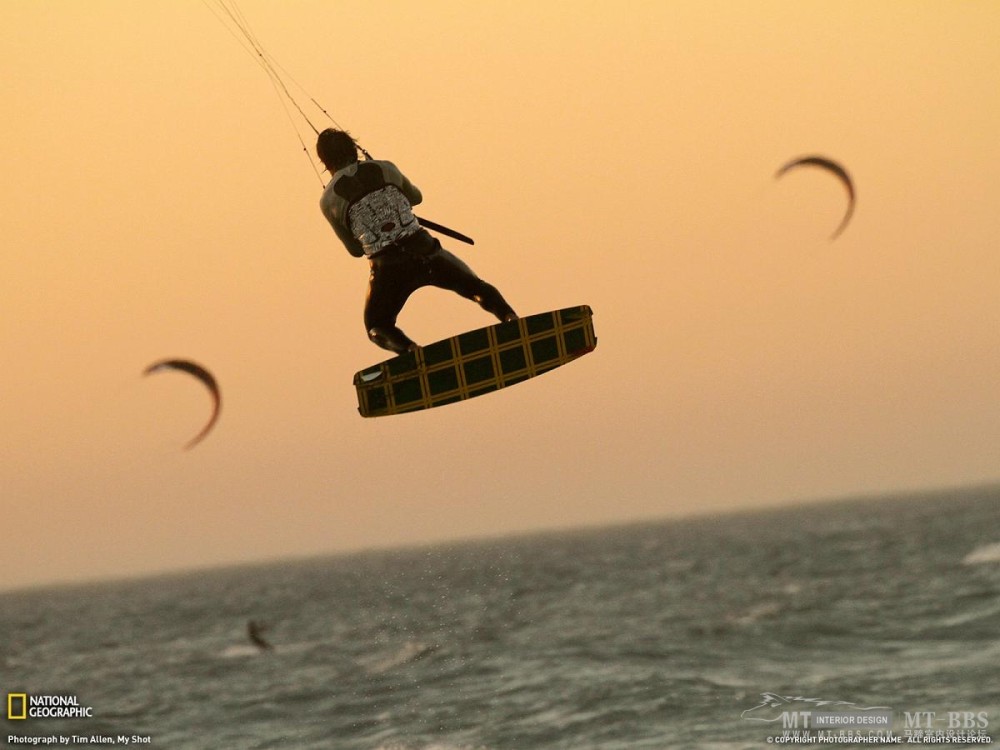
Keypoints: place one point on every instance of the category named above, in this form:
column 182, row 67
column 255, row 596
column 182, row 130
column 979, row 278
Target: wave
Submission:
column 767, row 610
column 411, row 651
column 975, row 614
column 988, row 553
column 240, row 652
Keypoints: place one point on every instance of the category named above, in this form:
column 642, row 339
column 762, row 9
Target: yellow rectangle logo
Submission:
column 12, row 699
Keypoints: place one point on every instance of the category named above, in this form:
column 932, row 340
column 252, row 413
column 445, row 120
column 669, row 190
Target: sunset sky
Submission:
column 157, row 203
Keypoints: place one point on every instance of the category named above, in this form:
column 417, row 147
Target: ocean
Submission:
column 712, row 632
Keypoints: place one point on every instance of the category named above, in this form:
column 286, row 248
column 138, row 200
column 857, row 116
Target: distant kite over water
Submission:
column 833, row 167
column 205, row 377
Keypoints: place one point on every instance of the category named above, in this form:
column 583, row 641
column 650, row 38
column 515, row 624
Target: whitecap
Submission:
column 410, row 651
column 240, row 652
column 988, row 553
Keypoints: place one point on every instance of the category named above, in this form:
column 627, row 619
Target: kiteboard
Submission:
column 476, row 362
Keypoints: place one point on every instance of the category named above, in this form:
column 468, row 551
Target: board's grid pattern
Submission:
column 475, row 363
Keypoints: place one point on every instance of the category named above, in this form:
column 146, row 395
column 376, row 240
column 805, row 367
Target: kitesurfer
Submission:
column 369, row 204
column 255, row 632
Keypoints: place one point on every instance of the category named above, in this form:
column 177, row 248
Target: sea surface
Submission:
column 656, row 635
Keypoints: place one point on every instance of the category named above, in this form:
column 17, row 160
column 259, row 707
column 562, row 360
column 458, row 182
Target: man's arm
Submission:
column 350, row 241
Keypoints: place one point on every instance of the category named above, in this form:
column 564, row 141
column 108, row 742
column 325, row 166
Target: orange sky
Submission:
column 156, row 203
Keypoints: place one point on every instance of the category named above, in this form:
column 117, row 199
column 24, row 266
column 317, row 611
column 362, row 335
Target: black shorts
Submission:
column 419, row 261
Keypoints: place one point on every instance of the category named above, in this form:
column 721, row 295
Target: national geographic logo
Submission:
column 22, row 706
column 17, row 705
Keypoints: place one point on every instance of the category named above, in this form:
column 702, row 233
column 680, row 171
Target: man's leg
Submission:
column 392, row 338
column 387, row 293
column 450, row 272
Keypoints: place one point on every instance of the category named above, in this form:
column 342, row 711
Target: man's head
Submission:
column 336, row 149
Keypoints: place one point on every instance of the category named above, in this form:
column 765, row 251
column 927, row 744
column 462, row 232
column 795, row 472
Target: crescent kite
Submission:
column 836, row 169
column 192, row 368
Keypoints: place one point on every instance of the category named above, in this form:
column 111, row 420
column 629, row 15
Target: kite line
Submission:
column 231, row 17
